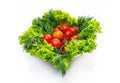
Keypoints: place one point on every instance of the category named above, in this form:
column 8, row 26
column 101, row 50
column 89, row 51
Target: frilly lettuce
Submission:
column 88, row 27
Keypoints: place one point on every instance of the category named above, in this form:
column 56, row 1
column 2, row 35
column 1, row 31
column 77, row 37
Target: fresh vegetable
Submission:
column 68, row 35
column 47, row 37
column 76, row 37
column 58, row 34
column 65, row 28
column 57, row 29
column 73, row 30
column 56, row 43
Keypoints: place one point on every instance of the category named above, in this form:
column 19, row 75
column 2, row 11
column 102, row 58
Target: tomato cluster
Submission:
column 61, row 36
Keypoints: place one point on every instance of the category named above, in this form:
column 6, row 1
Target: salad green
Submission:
column 32, row 42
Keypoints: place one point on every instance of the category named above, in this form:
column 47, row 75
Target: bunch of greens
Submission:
column 88, row 27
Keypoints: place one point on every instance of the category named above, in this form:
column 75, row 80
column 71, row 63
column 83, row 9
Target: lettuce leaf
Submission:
column 31, row 40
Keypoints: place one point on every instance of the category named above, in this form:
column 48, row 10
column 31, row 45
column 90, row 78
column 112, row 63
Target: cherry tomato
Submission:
column 74, row 37
column 67, row 34
column 56, row 43
column 56, row 29
column 64, row 50
column 47, row 37
column 65, row 28
column 73, row 30
column 58, row 35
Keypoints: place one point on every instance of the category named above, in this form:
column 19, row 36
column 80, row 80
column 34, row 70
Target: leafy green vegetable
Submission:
column 61, row 63
column 83, row 22
column 88, row 27
column 90, row 30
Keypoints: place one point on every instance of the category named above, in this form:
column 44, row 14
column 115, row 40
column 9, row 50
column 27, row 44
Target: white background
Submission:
column 101, row 66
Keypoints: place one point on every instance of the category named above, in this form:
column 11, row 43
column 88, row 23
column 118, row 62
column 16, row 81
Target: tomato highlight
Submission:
column 73, row 30
column 47, row 37
column 65, row 28
column 56, row 43
column 58, row 34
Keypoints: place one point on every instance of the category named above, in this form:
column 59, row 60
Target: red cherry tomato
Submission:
column 47, row 37
column 56, row 43
column 73, row 30
column 56, row 29
column 58, row 35
column 65, row 28
column 74, row 37
column 67, row 34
